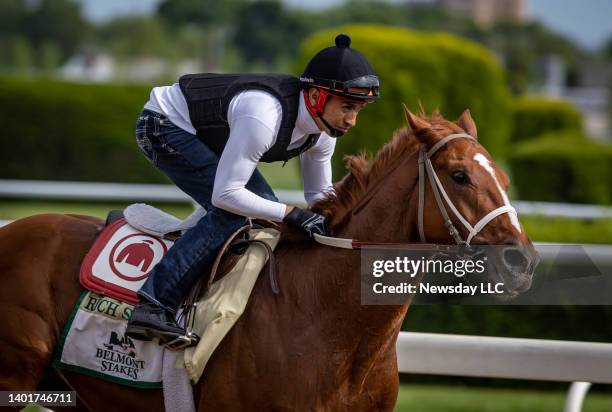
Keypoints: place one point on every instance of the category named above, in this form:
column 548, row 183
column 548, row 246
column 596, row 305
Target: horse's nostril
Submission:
column 515, row 259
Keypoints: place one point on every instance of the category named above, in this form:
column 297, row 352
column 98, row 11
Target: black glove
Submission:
column 308, row 221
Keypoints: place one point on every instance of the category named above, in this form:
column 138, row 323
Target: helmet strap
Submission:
column 317, row 109
column 332, row 131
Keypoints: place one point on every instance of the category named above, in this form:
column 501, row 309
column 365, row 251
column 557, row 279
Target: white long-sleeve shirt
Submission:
column 254, row 117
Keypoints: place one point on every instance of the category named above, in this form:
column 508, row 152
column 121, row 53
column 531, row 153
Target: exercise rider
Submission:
column 208, row 132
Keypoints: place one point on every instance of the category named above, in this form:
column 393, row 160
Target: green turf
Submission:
column 432, row 398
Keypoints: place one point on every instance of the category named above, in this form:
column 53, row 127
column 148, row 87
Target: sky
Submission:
column 587, row 22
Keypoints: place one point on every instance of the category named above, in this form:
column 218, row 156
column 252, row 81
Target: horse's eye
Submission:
column 460, row 177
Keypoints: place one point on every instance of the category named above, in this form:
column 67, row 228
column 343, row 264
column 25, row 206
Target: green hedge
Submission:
column 63, row 131
column 440, row 70
column 563, row 168
column 534, row 116
column 588, row 323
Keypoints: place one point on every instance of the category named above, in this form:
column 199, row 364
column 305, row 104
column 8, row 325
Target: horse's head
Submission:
column 471, row 193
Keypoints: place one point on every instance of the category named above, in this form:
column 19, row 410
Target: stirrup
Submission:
column 182, row 341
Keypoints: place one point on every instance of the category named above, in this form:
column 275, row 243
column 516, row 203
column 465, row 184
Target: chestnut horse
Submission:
column 314, row 346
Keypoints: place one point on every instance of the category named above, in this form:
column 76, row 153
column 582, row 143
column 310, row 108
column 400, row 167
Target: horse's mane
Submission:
column 366, row 172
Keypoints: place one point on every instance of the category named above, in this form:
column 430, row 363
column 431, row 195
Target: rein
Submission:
column 426, row 168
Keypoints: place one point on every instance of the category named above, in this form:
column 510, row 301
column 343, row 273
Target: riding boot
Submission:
column 150, row 321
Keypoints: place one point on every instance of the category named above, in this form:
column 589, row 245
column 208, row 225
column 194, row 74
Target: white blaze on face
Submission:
column 484, row 162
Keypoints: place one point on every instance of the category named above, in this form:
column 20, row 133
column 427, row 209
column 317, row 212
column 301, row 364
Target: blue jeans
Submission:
column 192, row 166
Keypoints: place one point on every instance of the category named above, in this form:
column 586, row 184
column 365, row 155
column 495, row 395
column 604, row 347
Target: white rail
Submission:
column 44, row 189
column 97, row 191
column 495, row 357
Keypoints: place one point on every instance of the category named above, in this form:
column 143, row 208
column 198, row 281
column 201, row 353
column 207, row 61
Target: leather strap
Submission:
column 223, row 250
column 425, row 167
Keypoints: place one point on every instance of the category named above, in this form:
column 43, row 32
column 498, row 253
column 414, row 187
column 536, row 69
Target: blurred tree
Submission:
column 136, row 36
column 266, row 31
column 606, row 50
column 19, row 55
column 518, row 45
column 33, row 31
column 54, row 21
column 521, row 45
column 198, row 12
column 416, row 16
column 12, row 16
column 191, row 42
column 210, row 19
column 50, row 58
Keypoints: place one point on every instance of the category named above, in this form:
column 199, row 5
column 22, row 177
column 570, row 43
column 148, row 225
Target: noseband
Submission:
column 426, row 167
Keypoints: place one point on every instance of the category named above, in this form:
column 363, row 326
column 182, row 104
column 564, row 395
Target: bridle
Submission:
column 437, row 189
column 426, row 168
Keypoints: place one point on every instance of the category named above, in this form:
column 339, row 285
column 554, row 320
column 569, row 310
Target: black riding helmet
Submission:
column 343, row 72
column 339, row 71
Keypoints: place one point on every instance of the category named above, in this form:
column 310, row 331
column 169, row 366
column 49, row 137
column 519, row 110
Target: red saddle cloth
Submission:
column 120, row 260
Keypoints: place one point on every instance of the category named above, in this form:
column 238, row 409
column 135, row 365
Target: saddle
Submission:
column 156, row 222
column 156, row 231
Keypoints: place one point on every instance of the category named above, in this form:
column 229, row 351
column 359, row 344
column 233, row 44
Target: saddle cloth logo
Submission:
column 94, row 343
column 120, row 260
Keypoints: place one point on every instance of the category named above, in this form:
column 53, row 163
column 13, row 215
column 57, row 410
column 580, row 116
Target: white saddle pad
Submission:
column 94, row 343
column 153, row 221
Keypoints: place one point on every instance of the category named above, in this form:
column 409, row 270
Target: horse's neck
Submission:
column 357, row 337
column 389, row 216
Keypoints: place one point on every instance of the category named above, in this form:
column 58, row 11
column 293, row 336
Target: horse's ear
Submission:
column 421, row 128
column 415, row 122
column 466, row 122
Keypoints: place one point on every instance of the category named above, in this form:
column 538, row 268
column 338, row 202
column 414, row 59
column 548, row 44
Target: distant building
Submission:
column 593, row 103
column 591, row 94
column 89, row 66
column 595, row 72
column 96, row 67
column 487, row 12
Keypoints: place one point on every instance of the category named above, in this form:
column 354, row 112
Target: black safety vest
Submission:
column 208, row 96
